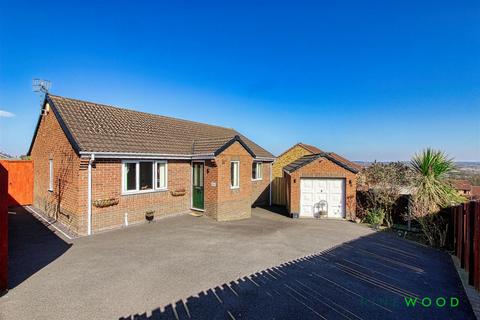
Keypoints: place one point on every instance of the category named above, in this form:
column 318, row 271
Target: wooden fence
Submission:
column 3, row 230
column 19, row 174
column 16, row 188
column 466, row 219
column 279, row 191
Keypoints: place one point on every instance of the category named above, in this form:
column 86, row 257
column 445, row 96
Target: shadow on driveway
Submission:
column 31, row 246
column 367, row 278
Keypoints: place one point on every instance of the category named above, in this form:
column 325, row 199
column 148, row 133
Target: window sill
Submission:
column 234, row 188
column 130, row 193
column 259, row 179
column 50, row 190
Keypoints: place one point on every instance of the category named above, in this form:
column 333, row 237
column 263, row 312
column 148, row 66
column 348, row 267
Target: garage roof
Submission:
column 300, row 162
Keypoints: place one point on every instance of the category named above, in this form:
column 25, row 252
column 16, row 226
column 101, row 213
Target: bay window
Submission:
column 161, row 177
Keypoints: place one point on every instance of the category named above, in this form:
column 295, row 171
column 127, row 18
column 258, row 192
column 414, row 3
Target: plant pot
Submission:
column 178, row 192
column 149, row 216
column 102, row 203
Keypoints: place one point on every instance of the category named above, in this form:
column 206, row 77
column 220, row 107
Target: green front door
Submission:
column 197, row 189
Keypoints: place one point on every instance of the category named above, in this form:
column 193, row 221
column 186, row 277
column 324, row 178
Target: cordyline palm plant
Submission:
column 432, row 192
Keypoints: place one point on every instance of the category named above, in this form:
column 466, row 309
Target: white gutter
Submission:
column 128, row 155
column 89, row 195
column 264, row 159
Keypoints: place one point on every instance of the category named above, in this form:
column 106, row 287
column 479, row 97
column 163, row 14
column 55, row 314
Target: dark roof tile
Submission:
column 302, row 161
column 102, row 128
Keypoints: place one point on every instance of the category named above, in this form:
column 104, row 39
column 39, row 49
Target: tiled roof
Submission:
column 476, row 190
column 315, row 150
column 462, row 185
column 310, row 148
column 344, row 160
column 102, row 128
column 300, row 162
column 4, row 155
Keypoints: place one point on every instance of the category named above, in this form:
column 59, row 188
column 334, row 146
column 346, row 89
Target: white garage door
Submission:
column 322, row 195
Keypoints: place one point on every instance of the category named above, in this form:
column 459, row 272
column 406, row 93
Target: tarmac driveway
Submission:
column 267, row 267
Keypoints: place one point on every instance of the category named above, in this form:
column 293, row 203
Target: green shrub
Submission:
column 375, row 217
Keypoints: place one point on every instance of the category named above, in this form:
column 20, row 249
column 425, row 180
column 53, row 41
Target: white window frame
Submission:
column 50, row 175
column 166, row 175
column 238, row 175
column 258, row 177
column 137, row 177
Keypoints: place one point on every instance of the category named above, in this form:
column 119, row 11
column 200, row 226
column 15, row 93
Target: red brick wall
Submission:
column 107, row 184
column 51, row 143
column 261, row 188
column 322, row 168
column 211, row 188
column 71, row 183
column 233, row 204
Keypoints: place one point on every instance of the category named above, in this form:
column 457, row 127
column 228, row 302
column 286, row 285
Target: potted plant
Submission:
column 149, row 215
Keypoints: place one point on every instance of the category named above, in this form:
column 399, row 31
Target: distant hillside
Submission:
column 465, row 170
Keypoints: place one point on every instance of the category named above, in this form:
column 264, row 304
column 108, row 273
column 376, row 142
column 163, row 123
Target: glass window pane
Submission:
column 254, row 170
column 195, row 175
column 161, row 175
column 259, row 170
column 130, row 176
column 146, row 175
column 200, row 175
column 234, row 174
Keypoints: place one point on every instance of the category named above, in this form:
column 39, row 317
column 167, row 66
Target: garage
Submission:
column 321, row 186
column 319, row 195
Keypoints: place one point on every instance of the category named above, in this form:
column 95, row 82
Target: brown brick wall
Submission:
column 211, row 188
column 233, row 204
column 322, row 168
column 261, row 188
column 51, row 143
column 71, row 183
column 106, row 184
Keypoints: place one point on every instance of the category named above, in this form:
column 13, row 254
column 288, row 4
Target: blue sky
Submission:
column 366, row 79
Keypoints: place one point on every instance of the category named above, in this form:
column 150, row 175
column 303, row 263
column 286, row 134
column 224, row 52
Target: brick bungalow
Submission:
column 308, row 181
column 99, row 167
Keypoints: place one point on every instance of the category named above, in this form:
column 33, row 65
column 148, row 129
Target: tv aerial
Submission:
column 41, row 87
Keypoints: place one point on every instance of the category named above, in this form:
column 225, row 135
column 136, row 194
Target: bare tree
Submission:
column 382, row 185
column 63, row 178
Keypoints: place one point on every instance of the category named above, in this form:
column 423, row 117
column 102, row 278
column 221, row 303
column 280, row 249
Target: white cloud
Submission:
column 6, row 114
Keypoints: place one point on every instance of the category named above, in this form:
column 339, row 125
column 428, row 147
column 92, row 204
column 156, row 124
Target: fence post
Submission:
column 471, row 242
column 459, row 236
column 463, row 235
column 476, row 246
column 466, row 236
column 3, row 230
